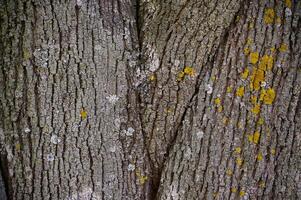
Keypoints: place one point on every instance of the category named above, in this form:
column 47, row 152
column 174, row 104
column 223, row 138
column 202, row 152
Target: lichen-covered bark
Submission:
column 150, row 99
column 222, row 114
column 68, row 119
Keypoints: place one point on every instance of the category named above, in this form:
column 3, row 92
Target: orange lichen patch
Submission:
column 288, row 3
column 217, row 101
column 237, row 150
column 257, row 77
column 269, row 96
column 233, row 190
column 229, row 89
column 256, row 109
column 254, row 56
column 152, row 77
column 239, row 161
column 283, row 47
column 246, row 51
column 245, row 74
column 254, row 138
column 240, row 91
column 269, row 15
column 266, row 63
column 83, row 114
column 242, row 193
column 259, row 156
column 229, row 172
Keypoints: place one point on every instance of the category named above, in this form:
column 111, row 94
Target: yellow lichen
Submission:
column 259, row 156
column 269, row 96
column 217, row 101
column 261, row 184
column 142, row 179
column 239, row 161
column 242, row 193
column 273, row 151
column 240, row 91
column 283, row 47
column 260, row 121
column 256, row 109
column 26, row 54
column 273, row 49
column 246, row 51
column 181, row 76
column 245, row 74
column 254, row 138
column 83, row 114
column 233, row 190
column 253, row 99
column 229, row 172
column 237, row 150
column 251, row 25
column 229, row 89
column 258, row 76
column 18, row 146
column 189, row 71
column 225, row 120
column 278, row 20
column 152, row 77
column 254, row 56
column 266, row 63
column 288, row 3
column 269, row 15
column 249, row 41
column 219, row 108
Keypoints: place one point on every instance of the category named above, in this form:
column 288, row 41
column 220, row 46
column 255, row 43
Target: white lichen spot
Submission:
column 199, row 134
column 154, row 58
column 177, row 63
column 130, row 131
column 112, row 149
column 112, row 99
column 55, row 139
column 288, row 12
column 79, row 2
column 50, row 157
column 208, row 89
column 27, row 130
column 263, row 84
column 98, row 47
column 131, row 167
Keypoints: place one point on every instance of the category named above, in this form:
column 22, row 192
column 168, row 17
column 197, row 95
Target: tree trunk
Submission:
column 149, row 99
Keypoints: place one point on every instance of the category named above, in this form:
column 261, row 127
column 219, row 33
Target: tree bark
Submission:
column 151, row 99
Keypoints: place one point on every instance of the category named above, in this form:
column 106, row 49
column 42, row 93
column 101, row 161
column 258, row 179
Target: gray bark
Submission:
column 150, row 99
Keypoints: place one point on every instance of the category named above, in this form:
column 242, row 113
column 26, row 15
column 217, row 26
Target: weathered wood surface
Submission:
column 150, row 99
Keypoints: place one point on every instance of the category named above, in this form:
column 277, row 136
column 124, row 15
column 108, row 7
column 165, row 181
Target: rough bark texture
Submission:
column 150, row 99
